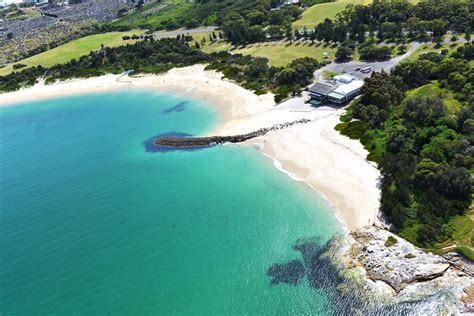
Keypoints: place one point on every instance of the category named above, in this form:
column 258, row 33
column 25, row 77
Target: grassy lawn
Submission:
column 208, row 47
column 140, row 18
column 317, row 13
column 462, row 229
column 197, row 37
column 216, row 46
column 430, row 47
column 329, row 74
column 282, row 53
column 433, row 90
column 66, row 52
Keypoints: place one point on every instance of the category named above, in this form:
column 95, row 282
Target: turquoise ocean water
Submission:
column 94, row 223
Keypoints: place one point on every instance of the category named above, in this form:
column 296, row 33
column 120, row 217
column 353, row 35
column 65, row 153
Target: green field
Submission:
column 433, row 90
column 75, row 49
column 317, row 13
column 216, row 46
column 282, row 53
column 141, row 19
column 430, row 47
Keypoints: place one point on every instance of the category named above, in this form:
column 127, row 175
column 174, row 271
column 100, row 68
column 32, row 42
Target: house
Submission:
column 346, row 92
column 290, row 2
column 319, row 92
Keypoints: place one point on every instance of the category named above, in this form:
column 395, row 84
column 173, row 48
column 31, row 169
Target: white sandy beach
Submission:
column 332, row 164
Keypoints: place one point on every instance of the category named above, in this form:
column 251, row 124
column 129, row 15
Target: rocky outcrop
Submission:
column 393, row 260
column 187, row 142
column 468, row 299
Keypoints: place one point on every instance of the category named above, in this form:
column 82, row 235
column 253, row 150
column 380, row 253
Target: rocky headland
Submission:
column 406, row 273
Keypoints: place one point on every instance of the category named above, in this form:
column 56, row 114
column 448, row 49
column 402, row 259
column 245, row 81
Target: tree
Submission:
column 171, row 24
column 192, row 23
column 286, row 76
column 438, row 27
column 424, row 111
column 258, row 68
column 256, row 34
column 343, row 53
column 380, row 90
column 327, row 30
column 372, row 53
column 289, row 32
column 235, row 27
column 275, row 31
column 255, row 17
column 426, row 174
column 415, row 74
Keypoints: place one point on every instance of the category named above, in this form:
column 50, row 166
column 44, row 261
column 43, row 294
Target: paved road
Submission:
column 348, row 67
column 162, row 34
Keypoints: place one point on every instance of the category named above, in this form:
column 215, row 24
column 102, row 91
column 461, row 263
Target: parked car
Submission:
column 356, row 68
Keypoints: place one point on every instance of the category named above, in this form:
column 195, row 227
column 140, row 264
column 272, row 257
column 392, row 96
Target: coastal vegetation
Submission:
column 418, row 124
column 255, row 73
column 150, row 56
column 391, row 241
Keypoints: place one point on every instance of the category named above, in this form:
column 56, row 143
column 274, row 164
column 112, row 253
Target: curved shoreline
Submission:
column 331, row 164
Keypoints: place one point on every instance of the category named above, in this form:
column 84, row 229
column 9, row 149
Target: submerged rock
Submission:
column 289, row 273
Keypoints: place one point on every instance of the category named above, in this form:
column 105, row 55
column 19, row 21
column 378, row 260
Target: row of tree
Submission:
column 396, row 20
column 256, row 24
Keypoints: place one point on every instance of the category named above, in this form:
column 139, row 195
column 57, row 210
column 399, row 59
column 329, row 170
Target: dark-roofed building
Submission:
column 320, row 91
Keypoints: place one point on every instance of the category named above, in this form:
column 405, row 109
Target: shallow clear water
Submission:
column 93, row 223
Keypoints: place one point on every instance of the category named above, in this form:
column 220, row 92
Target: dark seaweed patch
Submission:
column 321, row 273
column 180, row 107
column 289, row 273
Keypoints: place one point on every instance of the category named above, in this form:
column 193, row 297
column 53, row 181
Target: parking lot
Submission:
column 349, row 67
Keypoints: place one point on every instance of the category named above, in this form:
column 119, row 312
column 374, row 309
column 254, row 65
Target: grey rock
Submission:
column 390, row 265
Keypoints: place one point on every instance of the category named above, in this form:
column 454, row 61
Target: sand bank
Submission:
column 330, row 163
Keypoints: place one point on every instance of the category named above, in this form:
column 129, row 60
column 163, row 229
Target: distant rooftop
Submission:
column 346, row 89
column 321, row 88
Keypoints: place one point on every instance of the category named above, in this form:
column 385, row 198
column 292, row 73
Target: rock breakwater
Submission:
column 187, row 142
